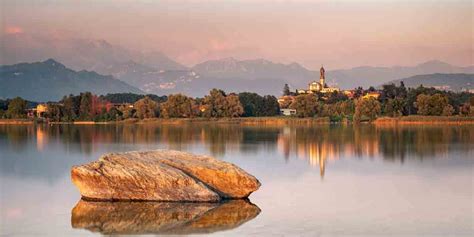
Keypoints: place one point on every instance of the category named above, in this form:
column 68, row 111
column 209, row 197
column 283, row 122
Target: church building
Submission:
column 320, row 86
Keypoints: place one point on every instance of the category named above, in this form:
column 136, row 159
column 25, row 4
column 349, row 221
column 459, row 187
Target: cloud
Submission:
column 13, row 30
column 220, row 45
column 214, row 49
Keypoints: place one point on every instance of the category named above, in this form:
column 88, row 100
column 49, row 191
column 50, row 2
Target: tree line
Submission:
column 393, row 101
column 111, row 107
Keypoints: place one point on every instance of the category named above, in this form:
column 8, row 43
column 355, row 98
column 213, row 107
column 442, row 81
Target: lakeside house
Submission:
column 286, row 99
column 288, row 112
column 118, row 105
column 349, row 93
column 39, row 111
column 372, row 94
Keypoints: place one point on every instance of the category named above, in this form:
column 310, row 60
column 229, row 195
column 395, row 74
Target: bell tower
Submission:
column 322, row 78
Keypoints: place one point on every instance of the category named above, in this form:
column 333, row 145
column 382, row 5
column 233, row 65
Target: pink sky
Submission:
column 339, row 34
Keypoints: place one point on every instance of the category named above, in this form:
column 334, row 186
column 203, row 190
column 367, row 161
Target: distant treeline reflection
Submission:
column 306, row 142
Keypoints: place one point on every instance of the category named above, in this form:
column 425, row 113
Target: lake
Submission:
column 317, row 180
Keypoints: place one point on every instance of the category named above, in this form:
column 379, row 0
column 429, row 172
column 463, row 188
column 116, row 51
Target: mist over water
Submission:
column 316, row 180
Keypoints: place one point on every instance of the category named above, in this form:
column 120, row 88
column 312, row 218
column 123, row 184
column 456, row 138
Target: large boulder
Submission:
column 162, row 175
column 125, row 218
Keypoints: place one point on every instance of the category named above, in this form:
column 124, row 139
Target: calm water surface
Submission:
column 316, row 180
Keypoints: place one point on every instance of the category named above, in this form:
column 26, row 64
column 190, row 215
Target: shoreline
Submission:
column 412, row 119
column 418, row 119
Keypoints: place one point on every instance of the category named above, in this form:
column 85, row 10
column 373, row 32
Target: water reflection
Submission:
column 112, row 218
column 316, row 144
column 406, row 180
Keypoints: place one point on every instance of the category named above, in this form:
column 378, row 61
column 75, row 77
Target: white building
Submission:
column 288, row 112
column 320, row 86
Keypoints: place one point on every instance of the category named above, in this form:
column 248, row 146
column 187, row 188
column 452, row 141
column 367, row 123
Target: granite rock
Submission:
column 162, row 175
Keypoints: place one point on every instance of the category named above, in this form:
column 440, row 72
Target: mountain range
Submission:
column 78, row 53
column 263, row 76
column 372, row 76
column 50, row 81
column 154, row 72
column 454, row 82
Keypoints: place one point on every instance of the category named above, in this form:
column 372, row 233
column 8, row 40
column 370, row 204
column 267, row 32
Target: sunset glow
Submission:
column 338, row 33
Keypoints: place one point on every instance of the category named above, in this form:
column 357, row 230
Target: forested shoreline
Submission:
column 394, row 101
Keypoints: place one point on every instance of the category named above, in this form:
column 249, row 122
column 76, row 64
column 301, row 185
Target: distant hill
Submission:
column 50, row 81
column 231, row 68
column 455, row 82
column 260, row 76
column 154, row 72
column 266, row 77
column 79, row 53
column 152, row 80
column 372, row 76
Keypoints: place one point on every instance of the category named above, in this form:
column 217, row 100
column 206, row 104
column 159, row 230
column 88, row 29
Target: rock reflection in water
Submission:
column 161, row 217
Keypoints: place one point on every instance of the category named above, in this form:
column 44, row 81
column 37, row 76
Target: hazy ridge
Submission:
column 154, row 72
column 50, row 81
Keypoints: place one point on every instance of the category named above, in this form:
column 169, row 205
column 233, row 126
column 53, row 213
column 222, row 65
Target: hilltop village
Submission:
column 321, row 89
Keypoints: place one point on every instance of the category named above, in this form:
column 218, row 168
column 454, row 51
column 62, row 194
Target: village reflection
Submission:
column 392, row 143
column 317, row 144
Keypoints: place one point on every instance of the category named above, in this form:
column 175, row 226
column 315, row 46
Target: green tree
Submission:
column 252, row 103
column 16, row 108
column 3, row 108
column 286, row 90
column 358, row 92
column 270, row 106
column 423, row 104
column 146, row 108
column 233, row 108
column 130, row 98
column 391, row 91
column 466, row 109
column 217, row 104
column 448, row 110
column 306, row 105
column 256, row 105
column 55, row 112
column 71, row 107
column 3, row 104
column 178, row 106
column 85, row 107
column 115, row 114
column 127, row 111
column 285, row 102
column 339, row 109
column 214, row 104
column 369, row 108
column 413, row 94
column 395, row 107
column 104, row 115
column 335, row 97
column 431, row 104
